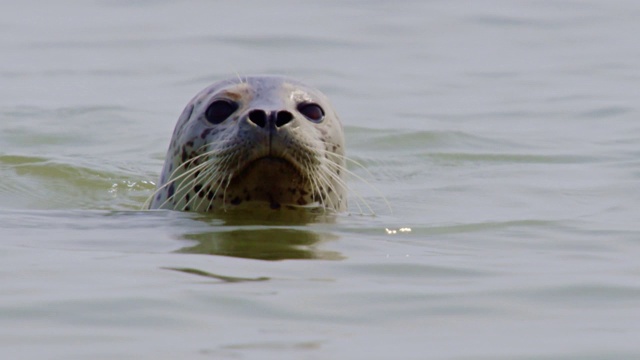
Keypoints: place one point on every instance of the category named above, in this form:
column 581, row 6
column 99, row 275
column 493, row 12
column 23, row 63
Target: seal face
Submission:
column 262, row 140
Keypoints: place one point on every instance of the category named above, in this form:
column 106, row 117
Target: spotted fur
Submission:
column 212, row 167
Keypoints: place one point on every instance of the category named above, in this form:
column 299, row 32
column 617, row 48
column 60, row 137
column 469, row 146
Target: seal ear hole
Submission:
column 220, row 110
column 311, row 111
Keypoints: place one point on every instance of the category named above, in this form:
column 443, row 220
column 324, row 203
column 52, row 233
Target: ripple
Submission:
column 512, row 21
column 606, row 112
column 509, row 158
column 39, row 183
column 401, row 140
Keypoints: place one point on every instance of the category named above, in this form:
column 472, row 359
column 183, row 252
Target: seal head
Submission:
column 257, row 141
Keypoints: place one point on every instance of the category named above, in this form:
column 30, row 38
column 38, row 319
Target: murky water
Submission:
column 503, row 134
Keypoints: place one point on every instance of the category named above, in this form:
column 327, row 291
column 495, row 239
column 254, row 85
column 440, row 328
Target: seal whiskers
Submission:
column 255, row 140
column 338, row 168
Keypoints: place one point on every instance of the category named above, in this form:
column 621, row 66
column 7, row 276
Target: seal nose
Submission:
column 282, row 118
column 273, row 118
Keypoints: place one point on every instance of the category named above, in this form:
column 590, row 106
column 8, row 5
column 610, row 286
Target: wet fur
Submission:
column 235, row 163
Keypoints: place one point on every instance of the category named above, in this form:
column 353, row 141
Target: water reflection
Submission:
column 279, row 235
column 222, row 278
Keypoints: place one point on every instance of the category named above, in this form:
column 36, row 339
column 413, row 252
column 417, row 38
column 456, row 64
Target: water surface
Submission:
column 503, row 134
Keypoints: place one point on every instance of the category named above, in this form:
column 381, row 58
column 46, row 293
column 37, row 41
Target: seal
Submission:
column 258, row 141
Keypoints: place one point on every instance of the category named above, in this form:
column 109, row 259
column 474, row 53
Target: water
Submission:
column 503, row 134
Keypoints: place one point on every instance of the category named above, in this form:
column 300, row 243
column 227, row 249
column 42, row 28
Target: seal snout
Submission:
column 251, row 141
column 276, row 118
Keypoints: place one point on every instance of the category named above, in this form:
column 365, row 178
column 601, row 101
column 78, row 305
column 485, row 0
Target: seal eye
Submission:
column 311, row 111
column 220, row 110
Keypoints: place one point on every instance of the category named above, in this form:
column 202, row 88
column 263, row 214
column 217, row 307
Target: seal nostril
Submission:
column 283, row 118
column 258, row 117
